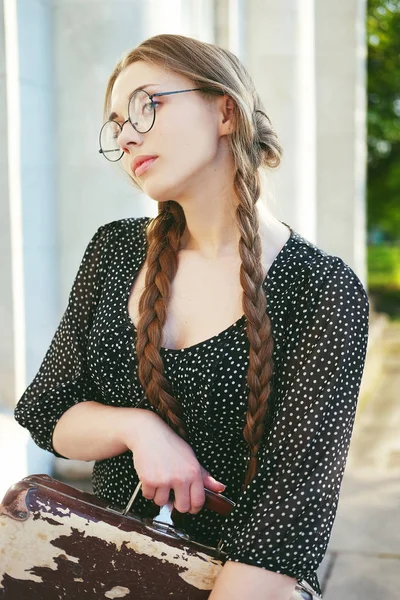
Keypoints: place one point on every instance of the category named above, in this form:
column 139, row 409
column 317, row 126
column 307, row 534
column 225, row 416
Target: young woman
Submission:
column 211, row 346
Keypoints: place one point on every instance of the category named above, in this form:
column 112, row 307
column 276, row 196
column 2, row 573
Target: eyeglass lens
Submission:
column 141, row 114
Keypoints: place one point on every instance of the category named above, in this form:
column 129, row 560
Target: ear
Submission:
column 227, row 111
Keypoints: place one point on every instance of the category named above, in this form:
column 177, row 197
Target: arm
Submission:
column 63, row 379
column 92, row 431
column 283, row 520
column 238, row 580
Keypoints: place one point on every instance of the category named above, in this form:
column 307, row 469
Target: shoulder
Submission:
column 321, row 275
column 128, row 228
column 121, row 236
column 117, row 240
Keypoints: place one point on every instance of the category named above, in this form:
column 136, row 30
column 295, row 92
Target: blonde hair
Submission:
column 254, row 145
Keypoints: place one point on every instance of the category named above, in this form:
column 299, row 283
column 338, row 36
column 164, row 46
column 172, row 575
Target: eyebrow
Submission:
column 115, row 115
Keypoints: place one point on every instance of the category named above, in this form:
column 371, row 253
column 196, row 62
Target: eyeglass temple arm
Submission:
column 176, row 92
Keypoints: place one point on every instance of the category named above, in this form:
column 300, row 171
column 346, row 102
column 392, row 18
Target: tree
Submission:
column 383, row 195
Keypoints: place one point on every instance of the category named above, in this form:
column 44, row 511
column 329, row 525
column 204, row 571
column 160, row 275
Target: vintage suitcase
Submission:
column 57, row 542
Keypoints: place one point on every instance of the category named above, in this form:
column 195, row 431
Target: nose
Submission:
column 129, row 136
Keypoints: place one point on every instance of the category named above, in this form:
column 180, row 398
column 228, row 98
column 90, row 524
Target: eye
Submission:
column 149, row 106
column 115, row 130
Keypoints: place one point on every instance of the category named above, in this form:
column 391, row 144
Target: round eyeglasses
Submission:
column 141, row 115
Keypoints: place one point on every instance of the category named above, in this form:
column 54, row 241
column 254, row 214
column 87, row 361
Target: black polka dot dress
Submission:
column 319, row 317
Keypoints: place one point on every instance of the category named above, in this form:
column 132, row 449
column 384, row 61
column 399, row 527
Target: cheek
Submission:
column 184, row 153
column 185, row 147
column 125, row 160
column 193, row 145
column 126, row 170
column 190, row 128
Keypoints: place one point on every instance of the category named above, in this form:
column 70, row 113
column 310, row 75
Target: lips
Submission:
column 140, row 160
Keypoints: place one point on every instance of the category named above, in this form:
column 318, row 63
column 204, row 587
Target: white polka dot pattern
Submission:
column 319, row 316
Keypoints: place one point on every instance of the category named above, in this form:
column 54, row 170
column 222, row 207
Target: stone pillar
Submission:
column 29, row 273
column 39, row 204
column 29, row 269
column 341, row 130
column 278, row 50
column 230, row 26
column 222, row 28
column 37, row 168
column 7, row 341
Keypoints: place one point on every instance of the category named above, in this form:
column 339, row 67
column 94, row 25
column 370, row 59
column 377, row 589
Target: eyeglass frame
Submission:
column 151, row 96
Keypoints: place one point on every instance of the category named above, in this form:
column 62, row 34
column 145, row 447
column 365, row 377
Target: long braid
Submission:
column 258, row 327
column 163, row 238
column 260, row 145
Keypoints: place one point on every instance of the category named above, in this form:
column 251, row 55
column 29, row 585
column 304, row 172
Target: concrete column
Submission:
column 279, row 54
column 230, row 26
column 29, row 273
column 341, row 130
column 37, row 159
column 222, row 28
column 39, row 206
column 7, row 341
column 27, row 199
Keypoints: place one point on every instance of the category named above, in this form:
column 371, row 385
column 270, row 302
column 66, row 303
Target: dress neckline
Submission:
column 225, row 332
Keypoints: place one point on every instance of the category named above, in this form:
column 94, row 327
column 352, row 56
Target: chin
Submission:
column 161, row 190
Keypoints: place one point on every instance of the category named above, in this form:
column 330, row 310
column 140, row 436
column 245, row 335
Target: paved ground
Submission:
column 363, row 558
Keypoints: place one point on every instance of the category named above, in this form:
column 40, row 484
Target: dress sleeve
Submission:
column 63, row 379
column 283, row 520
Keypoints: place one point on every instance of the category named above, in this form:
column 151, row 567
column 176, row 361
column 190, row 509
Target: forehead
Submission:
column 139, row 74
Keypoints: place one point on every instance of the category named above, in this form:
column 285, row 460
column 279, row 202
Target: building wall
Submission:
column 279, row 42
column 341, row 130
column 308, row 63
column 7, row 346
column 38, row 175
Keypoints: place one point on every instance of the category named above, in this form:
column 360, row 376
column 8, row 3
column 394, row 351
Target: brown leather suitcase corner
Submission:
column 58, row 542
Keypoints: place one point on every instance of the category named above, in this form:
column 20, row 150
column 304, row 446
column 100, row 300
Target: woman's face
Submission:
column 187, row 136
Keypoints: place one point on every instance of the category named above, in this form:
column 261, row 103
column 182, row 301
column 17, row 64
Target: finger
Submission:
column 211, row 483
column 148, row 491
column 182, row 497
column 197, row 496
column 161, row 496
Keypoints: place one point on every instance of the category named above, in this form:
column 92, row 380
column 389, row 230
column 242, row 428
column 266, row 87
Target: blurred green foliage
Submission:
column 383, row 196
column 384, row 266
column 384, row 279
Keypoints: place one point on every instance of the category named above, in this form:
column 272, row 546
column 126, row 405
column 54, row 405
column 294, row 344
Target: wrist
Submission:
column 132, row 424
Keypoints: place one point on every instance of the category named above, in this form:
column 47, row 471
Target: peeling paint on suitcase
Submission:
column 89, row 550
column 57, row 542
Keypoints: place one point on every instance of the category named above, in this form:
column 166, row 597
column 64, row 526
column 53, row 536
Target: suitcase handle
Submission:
column 216, row 502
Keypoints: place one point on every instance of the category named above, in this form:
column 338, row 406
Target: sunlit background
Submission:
column 328, row 73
